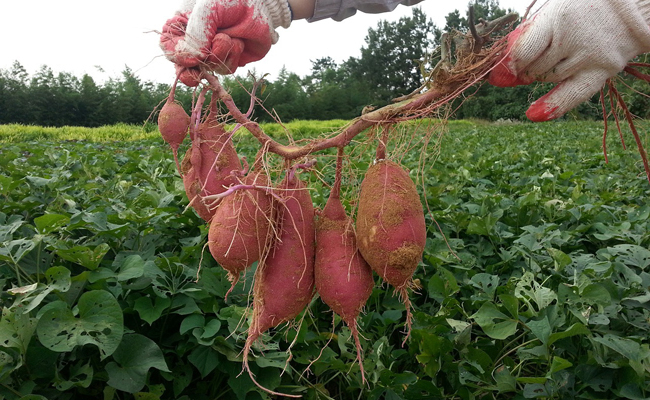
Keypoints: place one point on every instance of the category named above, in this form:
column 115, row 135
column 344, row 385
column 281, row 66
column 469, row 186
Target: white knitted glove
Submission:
column 577, row 43
column 224, row 34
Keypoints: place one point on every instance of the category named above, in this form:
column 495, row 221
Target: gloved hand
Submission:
column 577, row 43
column 222, row 34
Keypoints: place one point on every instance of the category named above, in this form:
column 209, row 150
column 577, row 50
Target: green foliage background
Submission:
column 534, row 283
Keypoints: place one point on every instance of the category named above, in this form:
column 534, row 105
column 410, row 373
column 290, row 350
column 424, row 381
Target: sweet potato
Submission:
column 284, row 280
column 208, row 166
column 240, row 227
column 391, row 231
column 173, row 124
column 343, row 279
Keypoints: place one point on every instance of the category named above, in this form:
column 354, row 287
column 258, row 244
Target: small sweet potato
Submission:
column 173, row 124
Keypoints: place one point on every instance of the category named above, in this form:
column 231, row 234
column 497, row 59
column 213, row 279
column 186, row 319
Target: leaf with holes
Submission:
column 99, row 322
column 633, row 255
column 14, row 250
column 16, row 329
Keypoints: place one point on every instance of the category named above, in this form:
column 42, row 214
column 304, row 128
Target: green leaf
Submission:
column 628, row 348
column 205, row 359
column 542, row 329
column 442, row 285
column 634, row 255
column 192, row 321
column 132, row 267
column 574, row 330
column 134, row 357
column 558, row 364
column 100, row 322
column 58, row 280
column 49, row 223
column 504, row 380
column 494, row 323
column 151, row 312
column 14, row 250
column 596, row 293
column 16, row 329
column 81, row 375
column 560, row 258
column 85, row 256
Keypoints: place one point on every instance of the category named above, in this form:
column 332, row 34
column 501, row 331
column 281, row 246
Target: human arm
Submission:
column 578, row 44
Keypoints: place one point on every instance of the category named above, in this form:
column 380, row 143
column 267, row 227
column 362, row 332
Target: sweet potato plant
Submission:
column 343, row 266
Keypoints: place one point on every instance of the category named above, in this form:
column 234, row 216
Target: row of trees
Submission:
column 391, row 64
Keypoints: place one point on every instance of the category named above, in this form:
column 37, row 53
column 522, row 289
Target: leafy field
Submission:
column 537, row 287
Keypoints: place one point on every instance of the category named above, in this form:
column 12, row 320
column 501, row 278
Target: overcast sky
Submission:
column 79, row 36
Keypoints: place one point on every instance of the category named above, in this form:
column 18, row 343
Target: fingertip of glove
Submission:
column 502, row 76
column 541, row 111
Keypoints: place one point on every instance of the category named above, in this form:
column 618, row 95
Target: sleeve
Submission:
column 339, row 10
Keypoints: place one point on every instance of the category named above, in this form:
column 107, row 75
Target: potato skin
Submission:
column 391, row 231
column 284, row 283
column 343, row 278
column 173, row 124
column 208, row 165
column 240, row 227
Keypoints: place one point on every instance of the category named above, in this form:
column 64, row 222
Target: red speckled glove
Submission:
column 578, row 44
column 222, row 34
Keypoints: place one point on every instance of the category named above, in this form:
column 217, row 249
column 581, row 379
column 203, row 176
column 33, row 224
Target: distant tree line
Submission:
column 391, row 64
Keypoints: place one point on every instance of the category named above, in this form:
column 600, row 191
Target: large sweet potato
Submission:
column 391, row 231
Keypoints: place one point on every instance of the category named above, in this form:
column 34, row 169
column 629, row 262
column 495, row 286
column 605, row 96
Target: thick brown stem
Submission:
column 422, row 104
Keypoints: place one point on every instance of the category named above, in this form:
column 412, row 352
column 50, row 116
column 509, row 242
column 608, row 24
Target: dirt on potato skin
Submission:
column 391, row 230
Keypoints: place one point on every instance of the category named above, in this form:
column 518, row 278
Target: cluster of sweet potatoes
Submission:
column 300, row 251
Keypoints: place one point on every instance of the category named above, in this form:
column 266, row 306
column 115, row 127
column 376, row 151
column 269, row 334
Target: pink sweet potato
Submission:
column 208, row 166
column 240, row 227
column 391, row 231
column 343, row 278
column 284, row 280
column 173, row 124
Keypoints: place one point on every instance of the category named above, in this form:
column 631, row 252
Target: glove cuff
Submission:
column 279, row 13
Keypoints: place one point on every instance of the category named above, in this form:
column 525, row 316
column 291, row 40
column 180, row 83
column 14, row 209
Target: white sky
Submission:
column 77, row 35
